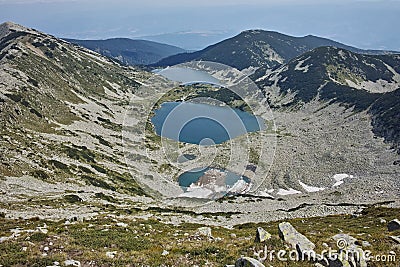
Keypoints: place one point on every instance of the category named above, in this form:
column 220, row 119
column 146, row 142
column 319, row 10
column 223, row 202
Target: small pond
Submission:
column 212, row 183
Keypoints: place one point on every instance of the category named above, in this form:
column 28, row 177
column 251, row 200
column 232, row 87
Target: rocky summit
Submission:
column 69, row 189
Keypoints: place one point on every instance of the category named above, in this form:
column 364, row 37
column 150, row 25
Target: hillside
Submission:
column 128, row 51
column 73, row 150
column 362, row 82
column 61, row 110
column 255, row 48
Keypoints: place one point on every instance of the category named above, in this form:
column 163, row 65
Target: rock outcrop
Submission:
column 248, row 262
column 262, row 235
column 394, row 225
column 295, row 239
column 396, row 239
column 349, row 253
column 204, row 231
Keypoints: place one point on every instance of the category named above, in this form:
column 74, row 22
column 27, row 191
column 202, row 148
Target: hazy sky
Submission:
column 362, row 23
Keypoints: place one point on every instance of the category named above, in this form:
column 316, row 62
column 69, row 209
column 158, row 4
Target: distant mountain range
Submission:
column 191, row 40
column 249, row 49
column 128, row 51
column 255, row 48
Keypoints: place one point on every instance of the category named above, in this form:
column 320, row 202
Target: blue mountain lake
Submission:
column 203, row 124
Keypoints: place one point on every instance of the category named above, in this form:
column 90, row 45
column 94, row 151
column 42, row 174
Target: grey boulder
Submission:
column 248, row 262
column 262, row 235
column 295, row 239
column 393, row 225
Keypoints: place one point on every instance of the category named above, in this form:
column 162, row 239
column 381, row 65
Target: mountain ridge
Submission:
column 258, row 48
column 49, row 91
column 334, row 75
column 129, row 51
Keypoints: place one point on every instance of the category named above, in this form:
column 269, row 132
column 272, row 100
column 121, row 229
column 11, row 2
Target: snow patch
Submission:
column 196, row 191
column 290, row 191
column 339, row 178
column 266, row 193
column 212, row 185
column 240, row 187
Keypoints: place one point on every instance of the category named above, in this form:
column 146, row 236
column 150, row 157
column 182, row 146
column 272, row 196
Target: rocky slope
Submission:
column 61, row 111
column 128, row 51
column 69, row 198
column 360, row 82
column 255, row 48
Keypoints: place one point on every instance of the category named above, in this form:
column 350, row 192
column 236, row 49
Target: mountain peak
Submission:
column 8, row 27
column 8, row 24
column 13, row 26
column 262, row 32
column 253, row 31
